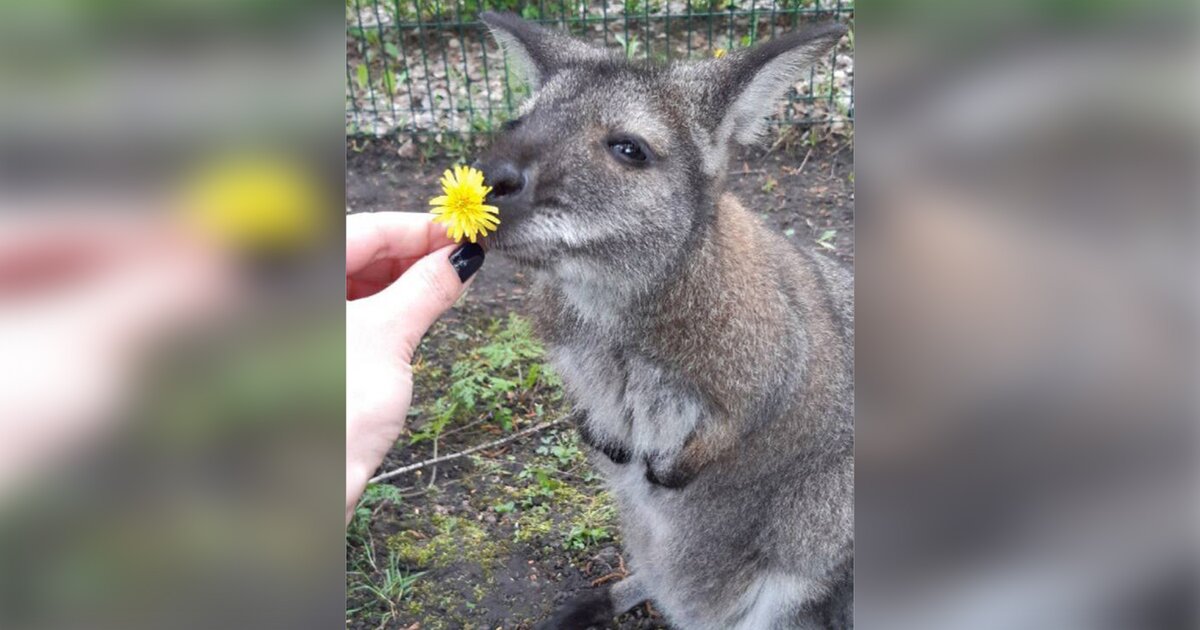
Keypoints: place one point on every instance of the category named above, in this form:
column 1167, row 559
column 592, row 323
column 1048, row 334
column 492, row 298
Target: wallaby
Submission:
column 710, row 361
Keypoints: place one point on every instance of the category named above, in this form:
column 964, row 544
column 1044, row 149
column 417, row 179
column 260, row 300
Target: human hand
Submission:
column 83, row 302
column 402, row 273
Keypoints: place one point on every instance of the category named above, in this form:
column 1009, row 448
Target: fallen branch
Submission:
column 433, row 473
column 804, row 161
column 775, row 145
column 619, row 574
column 474, row 449
column 463, row 427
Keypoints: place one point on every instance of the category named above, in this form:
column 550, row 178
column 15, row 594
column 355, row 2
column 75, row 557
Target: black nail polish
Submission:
column 466, row 260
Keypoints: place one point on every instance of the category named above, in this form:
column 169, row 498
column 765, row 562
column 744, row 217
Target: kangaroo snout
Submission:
column 507, row 180
column 512, row 183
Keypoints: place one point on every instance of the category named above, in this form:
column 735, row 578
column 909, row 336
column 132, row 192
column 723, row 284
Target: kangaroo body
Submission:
column 710, row 362
column 719, row 411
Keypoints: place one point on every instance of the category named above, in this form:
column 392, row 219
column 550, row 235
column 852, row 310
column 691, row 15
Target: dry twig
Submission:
column 619, row 574
column 474, row 449
column 804, row 161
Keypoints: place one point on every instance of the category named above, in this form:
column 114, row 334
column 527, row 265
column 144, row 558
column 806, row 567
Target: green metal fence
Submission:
column 430, row 66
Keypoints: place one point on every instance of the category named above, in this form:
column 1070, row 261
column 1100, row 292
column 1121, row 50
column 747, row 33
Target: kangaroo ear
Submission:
column 750, row 82
column 538, row 52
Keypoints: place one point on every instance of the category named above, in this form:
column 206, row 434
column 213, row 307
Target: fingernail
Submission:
column 466, row 260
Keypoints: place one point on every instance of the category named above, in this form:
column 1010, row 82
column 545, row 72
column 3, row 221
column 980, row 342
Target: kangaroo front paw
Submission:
column 590, row 608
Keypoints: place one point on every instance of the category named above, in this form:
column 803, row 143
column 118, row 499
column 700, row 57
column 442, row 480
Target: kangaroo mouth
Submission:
column 527, row 244
column 517, row 249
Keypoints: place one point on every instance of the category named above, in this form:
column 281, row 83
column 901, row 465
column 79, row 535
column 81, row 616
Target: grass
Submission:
column 445, row 553
column 631, row 45
column 375, row 497
column 501, row 382
column 380, row 588
column 385, row 588
column 826, row 239
column 564, row 448
column 458, row 146
column 559, row 501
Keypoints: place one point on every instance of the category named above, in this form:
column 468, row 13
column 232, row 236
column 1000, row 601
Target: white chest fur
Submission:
column 630, row 401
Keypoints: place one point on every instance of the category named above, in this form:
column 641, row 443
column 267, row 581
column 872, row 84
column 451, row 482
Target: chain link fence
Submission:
column 430, row 66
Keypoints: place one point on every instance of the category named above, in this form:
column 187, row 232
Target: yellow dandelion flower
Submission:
column 720, row 52
column 462, row 209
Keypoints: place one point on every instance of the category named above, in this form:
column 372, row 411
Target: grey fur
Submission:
column 710, row 359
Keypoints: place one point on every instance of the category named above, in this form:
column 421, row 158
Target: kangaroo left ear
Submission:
column 538, row 52
column 749, row 82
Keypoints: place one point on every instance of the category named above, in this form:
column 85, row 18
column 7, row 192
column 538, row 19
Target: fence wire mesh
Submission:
column 430, row 66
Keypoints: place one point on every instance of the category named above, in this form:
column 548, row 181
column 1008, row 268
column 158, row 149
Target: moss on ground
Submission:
column 441, row 605
column 455, row 539
column 534, row 524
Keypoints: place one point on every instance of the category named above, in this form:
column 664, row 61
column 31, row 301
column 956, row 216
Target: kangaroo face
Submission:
column 599, row 161
column 621, row 162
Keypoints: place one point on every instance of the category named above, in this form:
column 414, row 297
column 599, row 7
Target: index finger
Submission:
column 375, row 236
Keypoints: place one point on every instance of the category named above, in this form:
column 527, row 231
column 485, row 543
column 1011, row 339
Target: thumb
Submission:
column 429, row 288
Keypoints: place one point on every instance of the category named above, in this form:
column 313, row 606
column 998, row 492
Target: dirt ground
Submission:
column 500, row 538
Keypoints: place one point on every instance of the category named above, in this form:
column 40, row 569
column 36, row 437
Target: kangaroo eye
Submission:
column 628, row 150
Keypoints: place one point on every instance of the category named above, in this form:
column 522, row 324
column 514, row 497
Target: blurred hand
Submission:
column 402, row 273
column 83, row 301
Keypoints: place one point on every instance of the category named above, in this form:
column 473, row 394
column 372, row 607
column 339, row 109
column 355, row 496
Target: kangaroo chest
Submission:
column 640, row 416
column 631, row 402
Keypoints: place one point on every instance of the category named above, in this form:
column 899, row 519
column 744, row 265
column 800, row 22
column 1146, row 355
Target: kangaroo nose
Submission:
column 506, row 180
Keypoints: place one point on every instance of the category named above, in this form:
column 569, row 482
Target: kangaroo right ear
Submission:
column 538, row 52
column 749, row 83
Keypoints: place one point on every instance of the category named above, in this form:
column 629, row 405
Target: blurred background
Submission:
column 171, row 326
column 171, row 393
column 1026, row 299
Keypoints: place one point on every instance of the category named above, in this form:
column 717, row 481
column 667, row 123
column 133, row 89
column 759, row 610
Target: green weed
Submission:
column 363, row 75
column 385, row 593
column 374, row 497
column 563, row 447
column 826, row 239
column 499, row 382
column 542, row 487
column 631, row 45
column 581, row 537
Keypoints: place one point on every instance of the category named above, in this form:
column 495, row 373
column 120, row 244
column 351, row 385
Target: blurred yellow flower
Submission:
column 462, row 209
column 720, row 52
column 255, row 202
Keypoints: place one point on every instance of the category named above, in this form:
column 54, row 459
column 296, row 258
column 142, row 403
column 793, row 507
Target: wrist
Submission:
column 376, row 407
column 370, row 435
